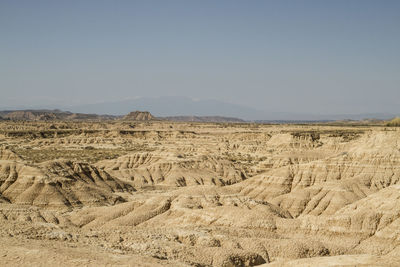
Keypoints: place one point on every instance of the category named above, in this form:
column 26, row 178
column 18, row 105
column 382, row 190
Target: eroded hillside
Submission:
column 148, row 193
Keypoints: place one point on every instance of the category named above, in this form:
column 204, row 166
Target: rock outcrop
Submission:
column 139, row 116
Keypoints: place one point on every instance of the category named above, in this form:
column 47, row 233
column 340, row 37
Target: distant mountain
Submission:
column 172, row 106
column 306, row 118
column 203, row 119
column 48, row 115
column 176, row 106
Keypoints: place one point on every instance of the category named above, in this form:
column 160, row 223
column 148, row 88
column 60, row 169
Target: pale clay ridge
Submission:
column 171, row 169
column 58, row 184
column 6, row 154
column 181, row 194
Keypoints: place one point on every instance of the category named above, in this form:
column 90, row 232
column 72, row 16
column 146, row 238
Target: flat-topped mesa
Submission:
column 139, row 116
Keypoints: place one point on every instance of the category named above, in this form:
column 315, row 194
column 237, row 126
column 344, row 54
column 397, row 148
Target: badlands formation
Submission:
column 153, row 193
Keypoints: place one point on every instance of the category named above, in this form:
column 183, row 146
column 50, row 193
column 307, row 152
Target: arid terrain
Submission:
column 149, row 193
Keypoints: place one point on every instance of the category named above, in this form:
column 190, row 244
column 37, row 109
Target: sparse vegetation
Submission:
column 394, row 122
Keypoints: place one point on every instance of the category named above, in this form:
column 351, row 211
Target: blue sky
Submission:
column 291, row 56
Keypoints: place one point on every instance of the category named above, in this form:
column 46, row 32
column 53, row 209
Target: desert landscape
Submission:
column 200, row 133
column 136, row 191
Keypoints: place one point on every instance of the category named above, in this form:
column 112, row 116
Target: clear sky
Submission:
column 338, row 56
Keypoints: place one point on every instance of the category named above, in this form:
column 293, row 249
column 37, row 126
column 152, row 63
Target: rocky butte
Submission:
column 139, row 116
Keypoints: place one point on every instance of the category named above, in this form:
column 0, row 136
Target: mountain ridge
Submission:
column 177, row 106
column 172, row 106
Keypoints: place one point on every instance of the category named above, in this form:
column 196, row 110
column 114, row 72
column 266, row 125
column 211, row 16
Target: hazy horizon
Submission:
column 305, row 57
column 185, row 106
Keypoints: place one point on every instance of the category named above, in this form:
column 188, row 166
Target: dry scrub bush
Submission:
column 394, row 123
